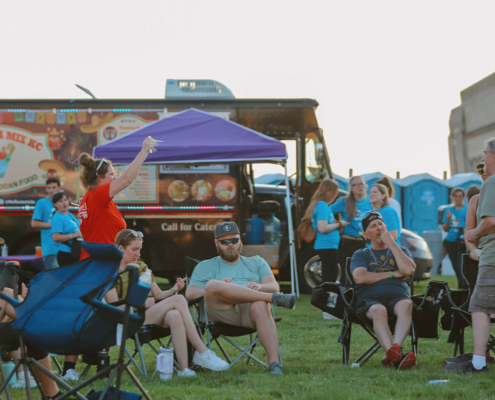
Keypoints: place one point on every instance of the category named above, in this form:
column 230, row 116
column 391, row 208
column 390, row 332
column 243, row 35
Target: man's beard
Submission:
column 229, row 256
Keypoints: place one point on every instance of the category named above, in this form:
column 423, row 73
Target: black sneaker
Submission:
column 468, row 368
column 276, row 368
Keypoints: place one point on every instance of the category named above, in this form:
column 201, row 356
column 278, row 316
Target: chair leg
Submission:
column 223, row 351
column 346, row 344
column 414, row 339
column 462, row 342
column 57, row 364
column 252, row 348
column 85, row 371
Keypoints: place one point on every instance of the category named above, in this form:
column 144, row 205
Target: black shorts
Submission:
column 9, row 337
column 389, row 302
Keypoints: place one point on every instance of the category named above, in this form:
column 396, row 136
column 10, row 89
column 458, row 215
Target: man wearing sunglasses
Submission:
column 381, row 273
column 238, row 289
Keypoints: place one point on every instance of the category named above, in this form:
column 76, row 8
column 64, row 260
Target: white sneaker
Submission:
column 70, row 375
column 210, row 360
column 21, row 382
column 187, row 373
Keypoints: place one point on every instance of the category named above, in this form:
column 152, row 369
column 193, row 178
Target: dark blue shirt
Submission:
column 365, row 258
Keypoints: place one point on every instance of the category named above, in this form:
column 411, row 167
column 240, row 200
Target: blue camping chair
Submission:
column 71, row 300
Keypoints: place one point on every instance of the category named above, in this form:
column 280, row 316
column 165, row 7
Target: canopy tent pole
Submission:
column 292, row 248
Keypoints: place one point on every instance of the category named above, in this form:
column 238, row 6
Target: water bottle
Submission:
column 271, row 235
column 145, row 278
column 103, row 362
column 5, row 251
column 8, row 368
column 165, row 363
column 254, row 230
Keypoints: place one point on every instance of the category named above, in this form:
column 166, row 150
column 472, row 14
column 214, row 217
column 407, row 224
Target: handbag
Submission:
column 328, row 302
column 305, row 232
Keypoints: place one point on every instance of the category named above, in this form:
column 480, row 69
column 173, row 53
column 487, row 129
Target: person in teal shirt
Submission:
column 454, row 220
column 351, row 209
column 42, row 216
column 323, row 222
column 380, row 202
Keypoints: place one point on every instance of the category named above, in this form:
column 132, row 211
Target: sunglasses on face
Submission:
column 360, row 184
column 226, row 242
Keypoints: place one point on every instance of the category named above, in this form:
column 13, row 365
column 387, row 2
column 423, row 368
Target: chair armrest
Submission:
column 195, row 301
column 13, row 302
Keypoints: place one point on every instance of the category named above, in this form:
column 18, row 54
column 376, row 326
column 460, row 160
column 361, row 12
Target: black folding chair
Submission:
column 456, row 303
column 215, row 330
column 351, row 316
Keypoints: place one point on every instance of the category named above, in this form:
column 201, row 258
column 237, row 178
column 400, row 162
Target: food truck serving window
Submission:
column 315, row 167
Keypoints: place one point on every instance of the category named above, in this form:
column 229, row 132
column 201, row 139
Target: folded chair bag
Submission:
column 54, row 317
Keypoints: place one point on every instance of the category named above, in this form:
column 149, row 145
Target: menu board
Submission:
column 144, row 189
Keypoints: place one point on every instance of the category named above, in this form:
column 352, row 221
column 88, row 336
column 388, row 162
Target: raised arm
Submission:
column 132, row 170
column 474, row 253
column 406, row 266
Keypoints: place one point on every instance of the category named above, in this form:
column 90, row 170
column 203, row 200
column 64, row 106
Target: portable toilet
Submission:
column 343, row 182
column 423, row 194
column 464, row 181
column 371, row 179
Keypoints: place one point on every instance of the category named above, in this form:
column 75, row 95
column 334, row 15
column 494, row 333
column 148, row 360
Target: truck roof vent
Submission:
column 191, row 88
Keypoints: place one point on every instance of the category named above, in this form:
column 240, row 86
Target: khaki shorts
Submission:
column 238, row 315
column 483, row 297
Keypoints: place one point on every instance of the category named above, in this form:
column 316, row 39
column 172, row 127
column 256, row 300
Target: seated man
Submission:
column 238, row 289
column 381, row 273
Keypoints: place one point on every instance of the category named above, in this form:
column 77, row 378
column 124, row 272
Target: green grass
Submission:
column 312, row 361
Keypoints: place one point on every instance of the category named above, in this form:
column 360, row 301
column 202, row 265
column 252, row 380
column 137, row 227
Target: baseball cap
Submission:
column 369, row 217
column 226, row 228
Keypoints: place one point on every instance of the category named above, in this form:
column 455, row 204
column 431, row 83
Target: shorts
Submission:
column 483, row 297
column 9, row 337
column 50, row 262
column 389, row 302
column 238, row 315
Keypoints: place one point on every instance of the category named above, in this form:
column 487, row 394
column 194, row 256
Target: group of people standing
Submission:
column 338, row 224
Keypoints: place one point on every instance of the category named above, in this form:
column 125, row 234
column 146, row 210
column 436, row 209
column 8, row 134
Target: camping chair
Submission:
column 351, row 316
column 215, row 329
column 456, row 305
column 72, row 299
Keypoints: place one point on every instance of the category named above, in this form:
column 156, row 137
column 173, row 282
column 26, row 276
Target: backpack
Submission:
column 305, row 232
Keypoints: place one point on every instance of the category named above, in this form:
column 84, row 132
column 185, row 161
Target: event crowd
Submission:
column 238, row 290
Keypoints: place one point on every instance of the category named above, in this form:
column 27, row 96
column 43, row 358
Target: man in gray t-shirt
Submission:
column 238, row 289
column 482, row 302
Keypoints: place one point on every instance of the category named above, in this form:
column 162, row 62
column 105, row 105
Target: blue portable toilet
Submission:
column 464, row 181
column 371, row 179
column 423, row 194
column 343, row 182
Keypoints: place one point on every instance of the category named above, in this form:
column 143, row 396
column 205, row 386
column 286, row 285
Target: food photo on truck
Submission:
column 176, row 205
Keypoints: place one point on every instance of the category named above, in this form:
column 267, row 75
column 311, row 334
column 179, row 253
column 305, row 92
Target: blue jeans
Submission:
column 50, row 262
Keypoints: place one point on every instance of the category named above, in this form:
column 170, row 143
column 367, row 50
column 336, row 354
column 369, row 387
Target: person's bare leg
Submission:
column 48, row 384
column 223, row 295
column 16, row 354
column 265, row 326
column 7, row 309
column 481, row 332
column 173, row 321
column 157, row 314
column 378, row 314
column 403, row 311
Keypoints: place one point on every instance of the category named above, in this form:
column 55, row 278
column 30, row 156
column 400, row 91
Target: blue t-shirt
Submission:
column 391, row 219
column 64, row 224
column 367, row 258
column 363, row 206
column 457, row 222
column 43, row 212
column 330, row 240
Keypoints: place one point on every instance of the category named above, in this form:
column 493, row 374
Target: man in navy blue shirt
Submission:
column 381, row 273
column 42, row 217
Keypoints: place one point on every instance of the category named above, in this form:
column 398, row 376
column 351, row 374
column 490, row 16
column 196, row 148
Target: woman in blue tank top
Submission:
column 351, row 209
column 327, row 229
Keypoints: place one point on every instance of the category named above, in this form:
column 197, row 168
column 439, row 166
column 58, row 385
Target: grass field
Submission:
column 312, row 361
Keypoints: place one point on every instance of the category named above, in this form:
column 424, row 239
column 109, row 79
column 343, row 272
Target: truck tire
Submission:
column 309, row 268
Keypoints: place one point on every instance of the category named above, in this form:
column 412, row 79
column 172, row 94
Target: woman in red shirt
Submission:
column 99, row 217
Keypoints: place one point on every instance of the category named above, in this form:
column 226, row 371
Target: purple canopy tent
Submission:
column 194, row 136
column 197, row 137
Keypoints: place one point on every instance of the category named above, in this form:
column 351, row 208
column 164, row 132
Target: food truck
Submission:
column 175, row 206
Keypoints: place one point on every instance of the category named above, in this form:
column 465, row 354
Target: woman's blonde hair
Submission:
column 327, row 185
column 125, row 237
column 383, row 190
